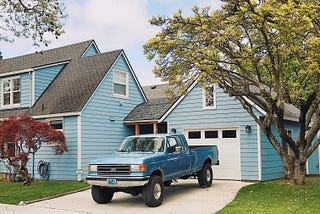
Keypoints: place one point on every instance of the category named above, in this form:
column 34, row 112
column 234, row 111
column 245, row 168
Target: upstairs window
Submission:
column 209, row 97
column 10, row 92
column 120, row 84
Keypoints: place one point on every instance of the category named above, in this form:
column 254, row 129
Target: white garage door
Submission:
column 228, row 142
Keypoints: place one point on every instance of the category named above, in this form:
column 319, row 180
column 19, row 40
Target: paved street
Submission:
column 181, row 198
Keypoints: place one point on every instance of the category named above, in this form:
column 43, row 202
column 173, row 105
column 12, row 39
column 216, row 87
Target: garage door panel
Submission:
column 228, row 143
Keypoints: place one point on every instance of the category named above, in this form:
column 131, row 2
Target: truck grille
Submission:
column 113, row 170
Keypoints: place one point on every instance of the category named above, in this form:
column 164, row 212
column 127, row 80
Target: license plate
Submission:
column 111, row 181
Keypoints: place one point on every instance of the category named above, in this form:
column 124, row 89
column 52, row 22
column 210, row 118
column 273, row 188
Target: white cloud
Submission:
column 114, row 24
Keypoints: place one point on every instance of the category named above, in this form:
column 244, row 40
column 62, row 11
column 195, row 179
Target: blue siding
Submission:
column 313, row 163
column 228, row 113
column 26, row 88
column 62, row 167
column 272, row 164
column 102, row 118
column 43, row 77
column 92, row 50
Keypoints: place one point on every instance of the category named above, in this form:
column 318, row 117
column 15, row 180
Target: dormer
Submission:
column 91, row 50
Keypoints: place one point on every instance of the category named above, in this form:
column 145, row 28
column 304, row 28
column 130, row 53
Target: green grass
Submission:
column 13, row 193
column 277, row 197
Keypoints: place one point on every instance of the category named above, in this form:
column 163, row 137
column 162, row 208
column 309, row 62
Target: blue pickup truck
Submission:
column 146, row 163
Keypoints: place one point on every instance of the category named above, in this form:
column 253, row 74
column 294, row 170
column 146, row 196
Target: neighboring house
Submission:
column 77, row 89
column 212, row 117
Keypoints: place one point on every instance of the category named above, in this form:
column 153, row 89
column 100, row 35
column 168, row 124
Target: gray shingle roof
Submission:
column 43, row 58
column 158, row 103
column 73, row 86
column 291, row 112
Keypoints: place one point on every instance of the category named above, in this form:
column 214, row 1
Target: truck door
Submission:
column 185, row 155
column 174, row 161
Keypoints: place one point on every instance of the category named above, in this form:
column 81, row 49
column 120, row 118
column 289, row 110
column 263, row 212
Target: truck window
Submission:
column 142, row 144
column 172, row 143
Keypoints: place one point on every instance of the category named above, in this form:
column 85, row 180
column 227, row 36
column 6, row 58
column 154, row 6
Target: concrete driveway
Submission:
column 183, row 197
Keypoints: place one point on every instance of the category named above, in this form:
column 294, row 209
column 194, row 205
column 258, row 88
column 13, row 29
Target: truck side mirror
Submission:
column 178, row 148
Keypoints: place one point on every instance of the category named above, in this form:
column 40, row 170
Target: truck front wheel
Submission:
column 101, row 195
column 152, row 193
column 205, row 176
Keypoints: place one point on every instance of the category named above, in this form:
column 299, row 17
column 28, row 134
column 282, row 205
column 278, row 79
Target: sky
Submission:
column 113, row 24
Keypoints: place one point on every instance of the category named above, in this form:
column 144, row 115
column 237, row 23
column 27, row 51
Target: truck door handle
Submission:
column 172, row 159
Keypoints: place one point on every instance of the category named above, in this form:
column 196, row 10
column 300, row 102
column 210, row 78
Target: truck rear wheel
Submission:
column 101, row 195
column 152, row 193
column 205, row 176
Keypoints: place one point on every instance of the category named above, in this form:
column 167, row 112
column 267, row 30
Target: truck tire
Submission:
column 205, row 176
column 152, row 193
column 101, row 195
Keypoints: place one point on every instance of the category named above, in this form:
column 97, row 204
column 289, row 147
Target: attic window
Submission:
column 120, row 84
column 209, row 97
column 10, row 92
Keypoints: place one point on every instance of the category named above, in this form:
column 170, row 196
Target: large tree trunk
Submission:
column 299, row 172
column 288, row 166
column 294, row 169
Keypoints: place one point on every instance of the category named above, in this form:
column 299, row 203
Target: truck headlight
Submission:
column 92, row 168
column 138, row 168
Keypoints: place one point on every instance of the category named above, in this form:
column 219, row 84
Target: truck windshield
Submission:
column 142, row 144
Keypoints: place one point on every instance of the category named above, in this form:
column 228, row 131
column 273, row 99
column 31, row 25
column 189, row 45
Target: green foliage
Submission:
column 270, row 43
column 31, row 19
column 276, row 197
column 266, row 51
column 13, row 193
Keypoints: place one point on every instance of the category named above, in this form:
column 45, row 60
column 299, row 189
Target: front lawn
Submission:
column 14, row 192
column 277, row 197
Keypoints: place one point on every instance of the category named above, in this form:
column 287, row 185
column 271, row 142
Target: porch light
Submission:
column 248, row 129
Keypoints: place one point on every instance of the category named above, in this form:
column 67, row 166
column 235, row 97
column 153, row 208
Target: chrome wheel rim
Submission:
column 157, row 191
column 208, row 175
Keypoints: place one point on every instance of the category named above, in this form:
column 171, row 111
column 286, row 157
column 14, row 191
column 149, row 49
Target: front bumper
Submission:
column 119, row 181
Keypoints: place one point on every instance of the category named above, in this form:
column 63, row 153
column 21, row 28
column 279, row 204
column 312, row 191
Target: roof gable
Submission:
column 91, row 50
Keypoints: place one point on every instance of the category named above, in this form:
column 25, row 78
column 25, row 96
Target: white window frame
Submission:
column 204, row 97
column 11, row 105
column 121, row 83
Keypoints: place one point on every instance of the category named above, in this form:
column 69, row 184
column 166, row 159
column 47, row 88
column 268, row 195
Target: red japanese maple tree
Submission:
column 23, row 135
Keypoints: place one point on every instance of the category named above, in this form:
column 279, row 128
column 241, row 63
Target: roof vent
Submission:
column 154, row 87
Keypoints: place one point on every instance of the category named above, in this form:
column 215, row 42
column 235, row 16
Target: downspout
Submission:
column 79, row 167
column 259, row 152
column 33, row 88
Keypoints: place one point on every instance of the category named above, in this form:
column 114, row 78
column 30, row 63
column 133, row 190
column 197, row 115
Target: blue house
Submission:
column 96, row 100
column 212, row 117
column 79, row 90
